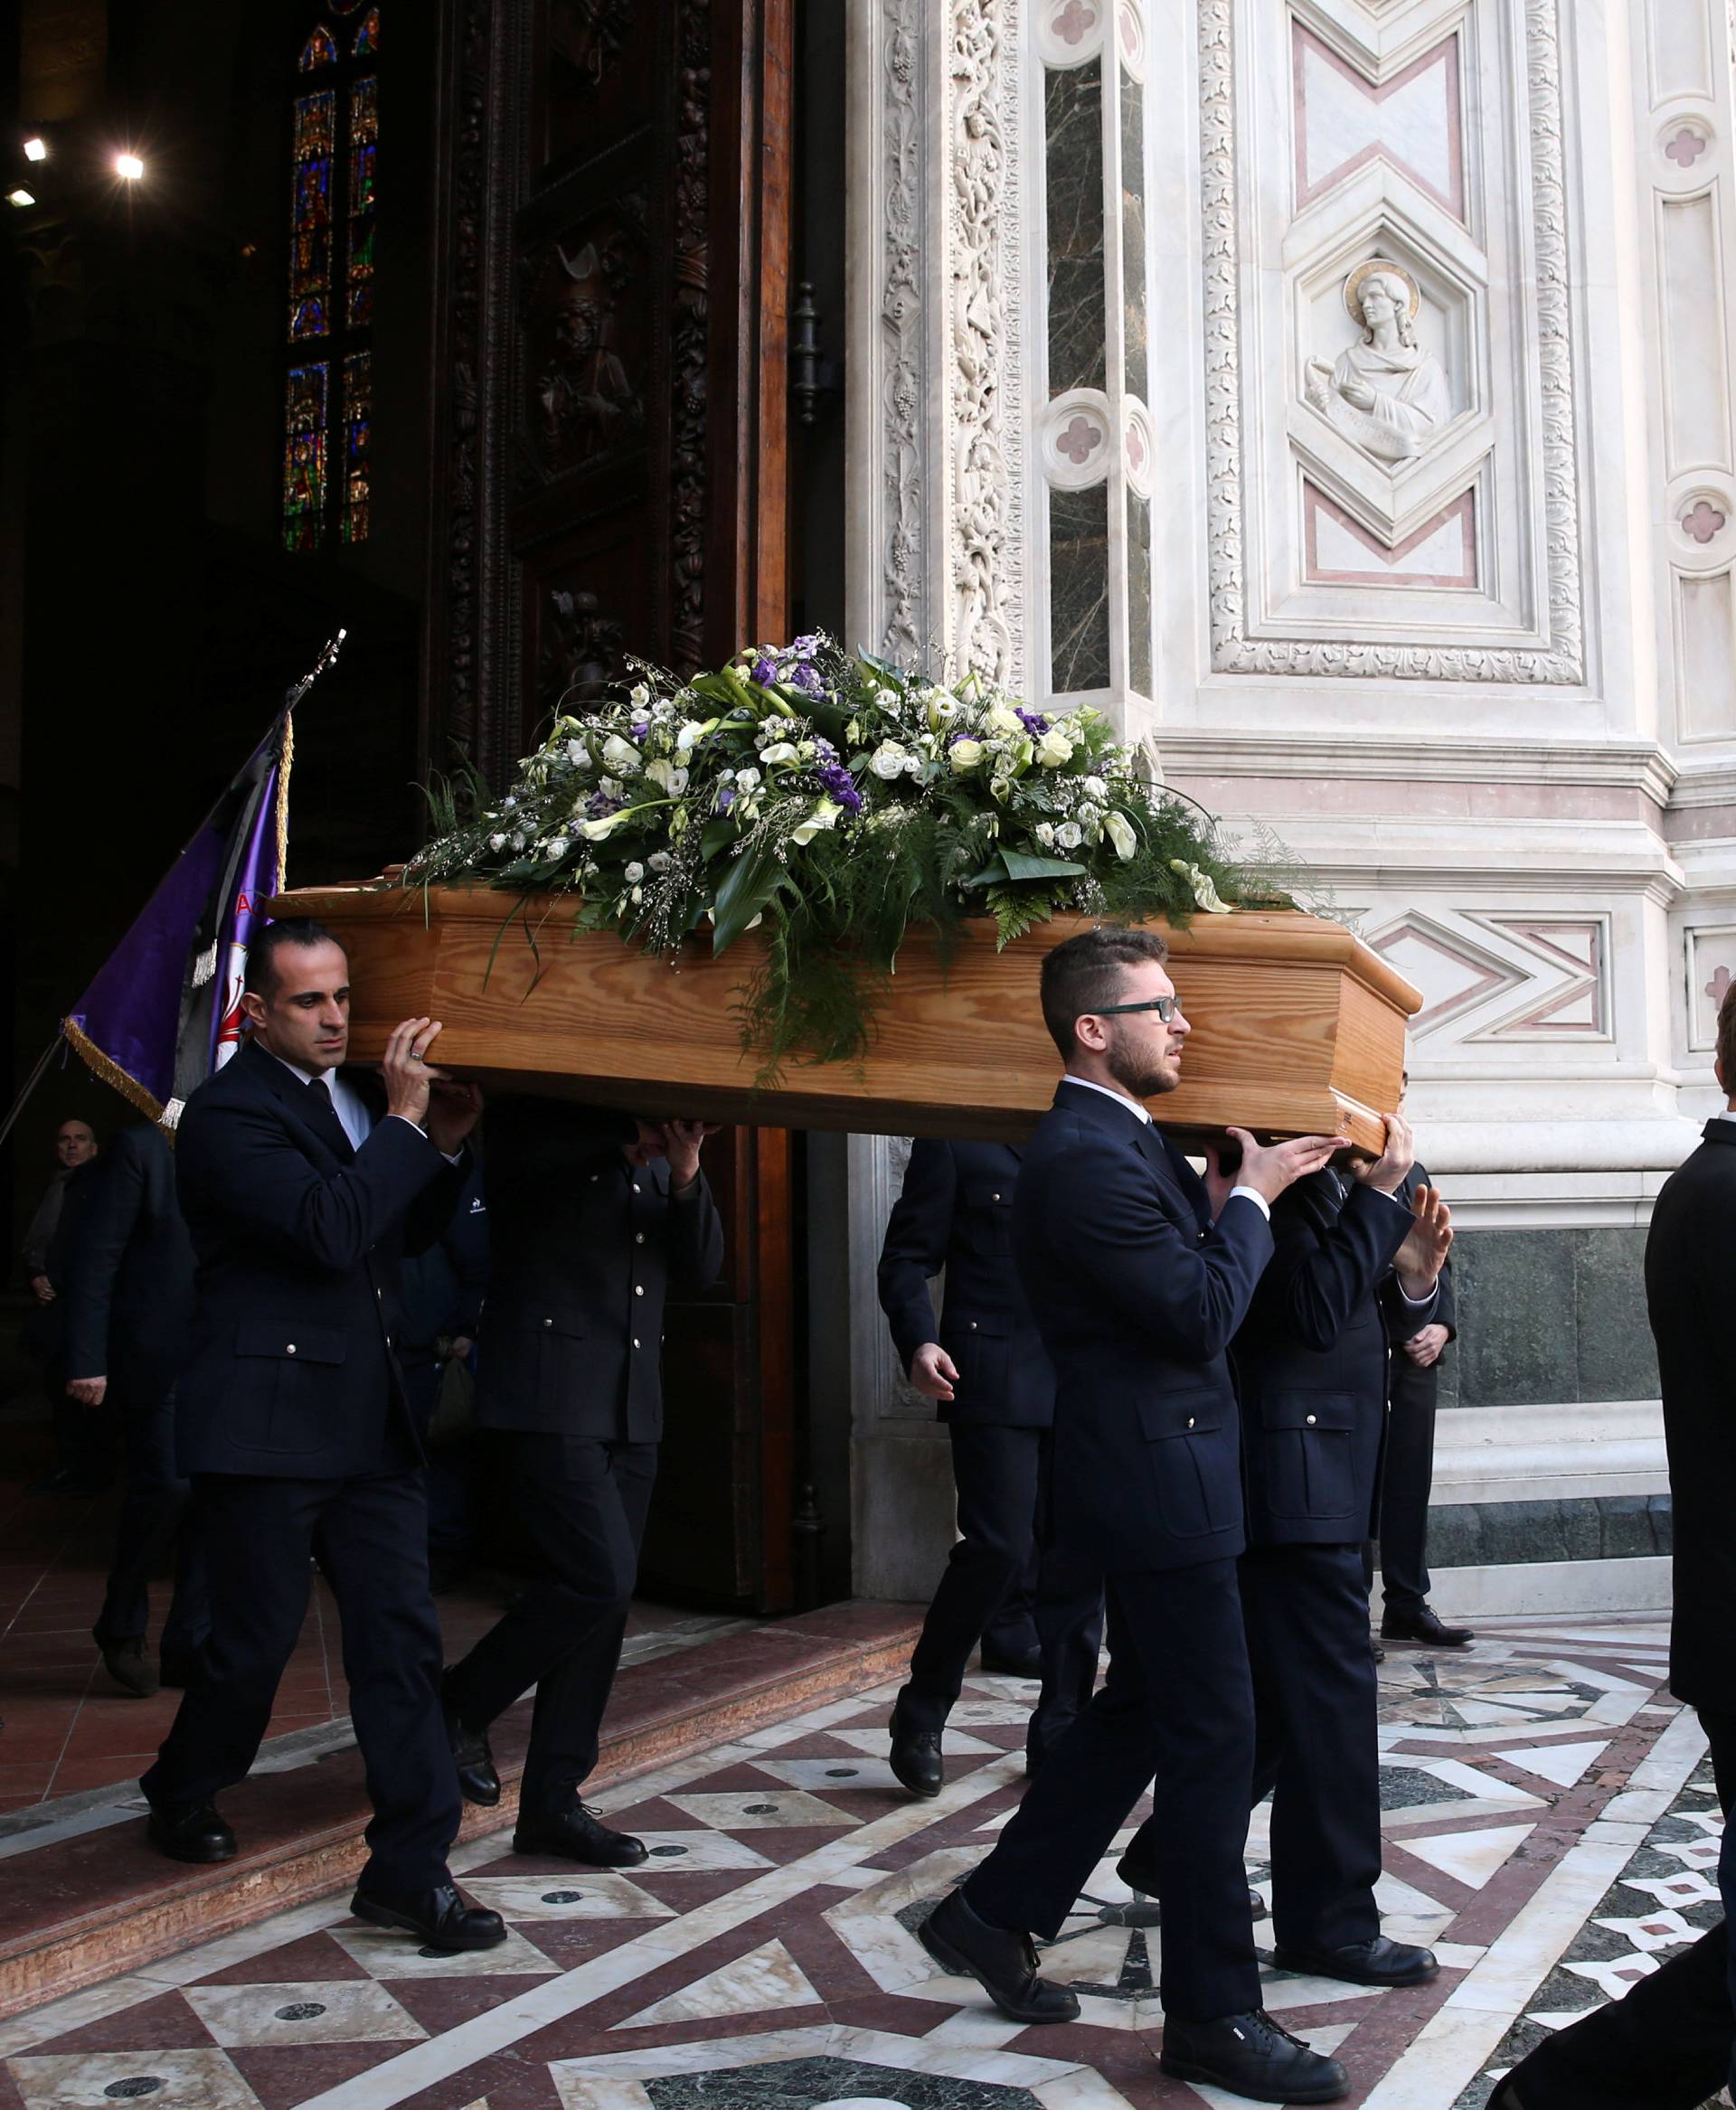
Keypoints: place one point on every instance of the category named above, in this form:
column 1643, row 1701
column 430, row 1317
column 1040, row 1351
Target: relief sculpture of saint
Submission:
column 1388, row 395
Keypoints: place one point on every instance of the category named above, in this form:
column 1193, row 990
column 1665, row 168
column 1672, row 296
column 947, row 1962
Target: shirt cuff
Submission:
column 452, row 1158
column 1418, row 1304
column 1256, row 1197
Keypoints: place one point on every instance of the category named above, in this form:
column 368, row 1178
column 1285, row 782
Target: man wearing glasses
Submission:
column 1139, row 1274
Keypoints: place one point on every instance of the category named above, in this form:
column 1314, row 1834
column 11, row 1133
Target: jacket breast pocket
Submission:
column 984, row 1223
column 1310, row 1451
column 1193, row 1462
column 286, row 1371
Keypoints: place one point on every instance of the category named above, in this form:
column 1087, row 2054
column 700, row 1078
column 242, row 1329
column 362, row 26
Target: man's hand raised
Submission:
column 1419, row 1260
column 407, row 1076
column 1269, row 1168
column 453, row 1110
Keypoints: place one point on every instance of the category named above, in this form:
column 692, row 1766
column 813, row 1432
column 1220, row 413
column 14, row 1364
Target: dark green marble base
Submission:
column 1550, row 1316
column 1594, row 1527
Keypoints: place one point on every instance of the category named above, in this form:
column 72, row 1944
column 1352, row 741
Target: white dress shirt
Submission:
column 1133, row 1105
column 354, row 1116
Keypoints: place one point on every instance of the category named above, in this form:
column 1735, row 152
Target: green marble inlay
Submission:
column 1078, row 590
column 1550, row 1315
column 1133, row 240
column 1077, row 318
column 800, row 2083
column 1138, row 593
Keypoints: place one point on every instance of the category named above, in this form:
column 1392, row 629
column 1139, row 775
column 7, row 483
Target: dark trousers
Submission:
column 1000, row 1473
column 580, row 1503
column 1177, row 1704
column 370, row 1536
column 1668, row 2043
column 451, row 1467
column 1406, row 1479
column 154, row 1515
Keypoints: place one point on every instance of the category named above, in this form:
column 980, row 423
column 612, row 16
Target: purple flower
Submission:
column 806, row 679
column 840, row 786
column 764, row 672
column 725, row 798
column 640, row 728
column 600, row 804
column 1033, row 721
column 806, row 647
column 825, row 749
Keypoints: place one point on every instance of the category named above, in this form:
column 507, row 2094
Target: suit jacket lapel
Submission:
column 292, row 1095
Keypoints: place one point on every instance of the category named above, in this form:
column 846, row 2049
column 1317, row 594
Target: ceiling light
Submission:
column 20, row 197
column 35, row 149
column 130, row 166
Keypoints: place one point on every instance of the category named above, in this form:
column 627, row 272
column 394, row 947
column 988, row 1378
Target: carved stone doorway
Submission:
column 612, row 451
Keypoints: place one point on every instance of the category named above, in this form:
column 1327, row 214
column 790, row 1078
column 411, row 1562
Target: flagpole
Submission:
column 287, row 753
column 30, row 1084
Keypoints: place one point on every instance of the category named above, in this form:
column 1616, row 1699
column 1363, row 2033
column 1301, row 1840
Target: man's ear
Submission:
column 253, row 1007
column 1091, row 1033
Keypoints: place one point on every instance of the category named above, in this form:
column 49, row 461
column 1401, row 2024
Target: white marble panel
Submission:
column 586, row 1894
column 767, row 1978
column 80, row 2080
column 754, row 1811
column 343, row 2010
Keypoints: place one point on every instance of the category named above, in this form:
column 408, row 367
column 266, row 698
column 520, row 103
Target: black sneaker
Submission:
column 1251, row 2055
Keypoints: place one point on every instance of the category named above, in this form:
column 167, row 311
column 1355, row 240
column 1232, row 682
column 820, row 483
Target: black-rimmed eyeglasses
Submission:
column 1164, row 1006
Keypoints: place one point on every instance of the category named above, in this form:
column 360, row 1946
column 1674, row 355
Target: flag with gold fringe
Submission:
column 165, row 1009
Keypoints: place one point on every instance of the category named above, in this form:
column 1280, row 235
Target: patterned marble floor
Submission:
column 1548, row 1830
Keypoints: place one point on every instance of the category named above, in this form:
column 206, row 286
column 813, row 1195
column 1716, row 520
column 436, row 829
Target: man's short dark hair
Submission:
column 261, row 972
column 1727, row 1039
column 1085, row 973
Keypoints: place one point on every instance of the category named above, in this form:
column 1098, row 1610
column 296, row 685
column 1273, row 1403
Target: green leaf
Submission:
column 717, row 834
column 748, row 887
column 1020, row 866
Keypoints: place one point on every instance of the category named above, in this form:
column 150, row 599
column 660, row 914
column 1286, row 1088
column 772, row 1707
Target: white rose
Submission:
column 619, row 755
column 913, row 765
column 1119, row 831
column 554, row 847
column 1096, row 788
column 783, row 751
column 497, row 842
column 638, row 693
column 660, row 861
column 1088, row 812
column 1069, row 834
column 1055, row 748
column 633, row 874
column 824, row 815
column 747, row 780
column 1045, row 833
column 888, row 761
column 1000, row 719
column 966, row 754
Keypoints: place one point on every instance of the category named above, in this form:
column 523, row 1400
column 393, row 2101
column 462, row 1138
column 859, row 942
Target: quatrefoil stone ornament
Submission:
column 1703, row 521
column 1081, row 438
column 1075, row 21
column 1686, row 148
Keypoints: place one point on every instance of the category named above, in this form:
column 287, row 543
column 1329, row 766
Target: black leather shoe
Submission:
column 130, row 1668
column 915, row 1757
column 478, row 1780
column 190, row 1831
column 574, row 1834
column 1423, row 1625
column 995, row 1664
column 1003, row 1963
column 1505, row 2096
column 1251, row 2055
column 1375, row 1962
column 440, row 1919
column 1138, row 1875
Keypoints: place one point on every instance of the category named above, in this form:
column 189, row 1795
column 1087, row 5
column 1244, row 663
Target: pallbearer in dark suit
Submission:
column 1311, row 1366
column 595, row 1219
column 1139, row 1275
column 292, row 1421
column 128, row 1302
column 984, row 1363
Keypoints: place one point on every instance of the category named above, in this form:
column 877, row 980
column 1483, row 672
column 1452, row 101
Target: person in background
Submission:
column 443, row 1292
column 1408, row 1463
column 83, row 1439
column 595, row 1219
column 985, row 1365
column 128, row 1300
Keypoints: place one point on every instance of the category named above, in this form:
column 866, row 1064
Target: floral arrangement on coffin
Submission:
column 837, row 802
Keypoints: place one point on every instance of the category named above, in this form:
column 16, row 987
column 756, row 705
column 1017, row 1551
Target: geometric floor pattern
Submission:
column 1548, row 1832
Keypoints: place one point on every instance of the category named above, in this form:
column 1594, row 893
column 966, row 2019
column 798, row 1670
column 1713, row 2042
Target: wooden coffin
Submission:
column 1298, row 1028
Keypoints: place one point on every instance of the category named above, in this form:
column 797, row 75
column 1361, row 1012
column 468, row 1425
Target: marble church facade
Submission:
column 1338, row 393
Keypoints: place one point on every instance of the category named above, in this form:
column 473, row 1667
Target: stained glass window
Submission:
column 328, row 394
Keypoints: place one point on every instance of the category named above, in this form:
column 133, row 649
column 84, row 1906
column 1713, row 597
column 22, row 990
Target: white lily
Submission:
column 1119, row 831
column 824, row 815
column 1205, row 892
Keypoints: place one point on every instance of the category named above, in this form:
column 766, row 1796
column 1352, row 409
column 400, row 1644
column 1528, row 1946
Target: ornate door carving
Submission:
column 611, row 279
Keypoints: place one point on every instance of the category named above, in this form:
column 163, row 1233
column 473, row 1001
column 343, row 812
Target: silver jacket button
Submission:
column 1190, row 1421
column 1311, row 1420
column 547, row 1321
column 638, row 1289
column 290, row 1350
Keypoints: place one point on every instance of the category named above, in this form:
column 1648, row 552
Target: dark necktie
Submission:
column 323, row 1114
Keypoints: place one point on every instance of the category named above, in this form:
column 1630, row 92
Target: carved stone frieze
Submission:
column 985, row 389
column 688, row 336
column 1562, row 658
column 582, row 650
column 905, row 633
column 587, row 340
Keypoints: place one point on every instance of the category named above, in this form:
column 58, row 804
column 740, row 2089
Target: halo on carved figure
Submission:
column 1379, row 267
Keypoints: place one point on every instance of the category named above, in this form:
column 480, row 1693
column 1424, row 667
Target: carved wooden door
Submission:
column 610, row 413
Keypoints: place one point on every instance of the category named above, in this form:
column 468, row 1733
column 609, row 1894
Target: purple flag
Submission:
column 165, row 1010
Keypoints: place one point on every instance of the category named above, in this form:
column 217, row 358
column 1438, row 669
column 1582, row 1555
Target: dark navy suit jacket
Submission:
column 129, row 1290
column 1136, row 1295
column 586, row 1250
column 955, row 1213
column 1311, row 1363
column 299, row 1242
